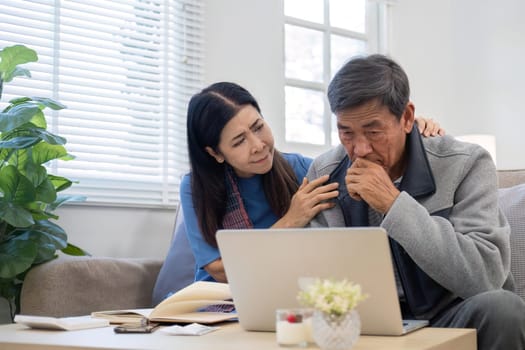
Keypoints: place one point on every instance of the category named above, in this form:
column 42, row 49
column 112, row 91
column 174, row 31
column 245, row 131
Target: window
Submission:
column 125, row 69
column 319, row 36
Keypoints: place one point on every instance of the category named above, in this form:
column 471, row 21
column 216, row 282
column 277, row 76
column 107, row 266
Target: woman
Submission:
column 238, row 178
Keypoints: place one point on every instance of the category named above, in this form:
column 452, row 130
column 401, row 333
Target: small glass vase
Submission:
column 336, row 332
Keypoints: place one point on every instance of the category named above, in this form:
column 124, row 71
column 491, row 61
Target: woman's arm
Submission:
column 216, row 270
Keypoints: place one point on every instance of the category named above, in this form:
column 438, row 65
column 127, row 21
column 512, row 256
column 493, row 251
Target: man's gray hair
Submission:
column 364, row 79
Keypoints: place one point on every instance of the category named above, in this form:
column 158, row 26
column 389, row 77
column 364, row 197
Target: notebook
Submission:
column 264, row 267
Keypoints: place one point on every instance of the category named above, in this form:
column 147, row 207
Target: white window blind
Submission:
column 125, row 69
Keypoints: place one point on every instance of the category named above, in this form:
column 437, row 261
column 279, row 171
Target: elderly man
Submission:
column 435, row 197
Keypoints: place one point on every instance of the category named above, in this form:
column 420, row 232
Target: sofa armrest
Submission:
column 509, row 178
column 72, row 286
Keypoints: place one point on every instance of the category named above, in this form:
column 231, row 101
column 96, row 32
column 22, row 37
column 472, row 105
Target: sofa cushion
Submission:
column 178, row 269
column 512, row 203
column 78, row 285
column 509, row 178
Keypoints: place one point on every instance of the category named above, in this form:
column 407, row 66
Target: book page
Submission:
column 182, row 306
column 198, row 317
column 192, row 298
column 123, row 316
column 200, row 290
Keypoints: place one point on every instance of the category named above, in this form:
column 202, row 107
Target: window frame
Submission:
column 376, row 36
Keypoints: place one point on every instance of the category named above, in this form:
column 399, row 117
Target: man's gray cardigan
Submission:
column 448, row 237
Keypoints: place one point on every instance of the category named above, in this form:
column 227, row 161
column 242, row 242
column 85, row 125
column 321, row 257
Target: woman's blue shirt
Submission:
column 256, row 205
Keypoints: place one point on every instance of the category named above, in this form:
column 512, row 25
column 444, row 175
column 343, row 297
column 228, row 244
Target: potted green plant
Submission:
column 28, row 193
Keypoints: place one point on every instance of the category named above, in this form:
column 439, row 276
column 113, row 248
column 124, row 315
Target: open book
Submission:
column 200, row 302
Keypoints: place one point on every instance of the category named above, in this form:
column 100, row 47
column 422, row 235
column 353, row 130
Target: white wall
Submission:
column 245, row 46
column 118, row 232
column 464, row 59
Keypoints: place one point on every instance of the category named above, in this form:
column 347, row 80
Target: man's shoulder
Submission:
column 447, row 146
column 329, row 160
column 447, row 155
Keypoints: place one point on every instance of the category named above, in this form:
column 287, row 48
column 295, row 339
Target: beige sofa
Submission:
column 70, row 286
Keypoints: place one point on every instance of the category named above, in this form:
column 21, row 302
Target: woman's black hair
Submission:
column 208, row 112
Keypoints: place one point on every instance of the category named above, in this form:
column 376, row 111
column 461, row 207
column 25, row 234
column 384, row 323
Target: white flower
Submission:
column 331, row 297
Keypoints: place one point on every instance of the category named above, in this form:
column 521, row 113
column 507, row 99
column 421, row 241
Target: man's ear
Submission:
column 217, row 156
column 408, row 117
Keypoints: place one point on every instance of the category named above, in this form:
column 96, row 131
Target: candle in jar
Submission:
column 289, row 333
column 293, row 327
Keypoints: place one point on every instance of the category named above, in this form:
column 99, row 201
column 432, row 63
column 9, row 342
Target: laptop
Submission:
column 264, row 267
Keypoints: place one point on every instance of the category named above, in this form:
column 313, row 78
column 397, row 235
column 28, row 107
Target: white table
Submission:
column 229, row 337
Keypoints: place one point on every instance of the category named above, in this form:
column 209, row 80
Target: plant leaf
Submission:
column 43, row 101
column 17, row 115
column 15, row 186
column 51, row 138
column 74, row 250
column 15, row 215
column 48, row 102
column 39, row 120
column 16, row 256
column 19, row 100
column 19, row 142
column 39, row 211
column 46, row 252
column 20, row 72
column 61, row 199
column 39, row 214
column 11, row 57
column 35, row 134
column 48, row 237
column 45, row 192
column 45, row 246
column 44, row 152
column 51, row 229
column 33, row 172
column 60, row 183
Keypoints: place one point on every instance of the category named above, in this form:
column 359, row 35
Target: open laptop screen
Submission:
column 263, row 267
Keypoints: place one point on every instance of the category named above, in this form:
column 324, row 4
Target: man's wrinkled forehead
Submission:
column 369, row 112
